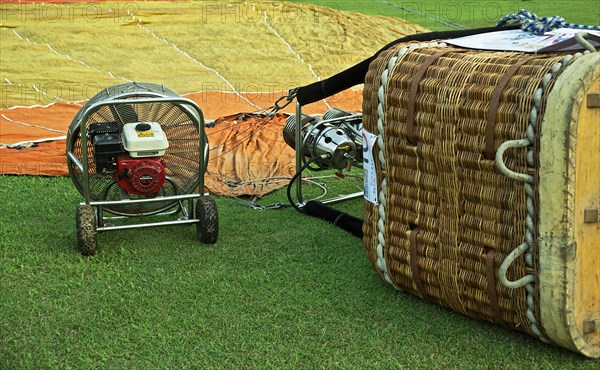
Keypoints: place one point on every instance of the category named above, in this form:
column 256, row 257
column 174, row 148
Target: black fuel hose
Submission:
column 293, row 180
column 355, row 75
column 344, row 221
column 317, row 209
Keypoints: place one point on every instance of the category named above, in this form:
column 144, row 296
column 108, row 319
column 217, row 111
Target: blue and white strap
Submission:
column 530, row 22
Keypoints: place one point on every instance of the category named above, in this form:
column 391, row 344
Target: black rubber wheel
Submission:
column 86, row 230
column 208, row 216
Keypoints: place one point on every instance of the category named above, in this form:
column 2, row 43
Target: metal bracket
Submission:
column 591, row 216
column 591, row 326
column 593, row 100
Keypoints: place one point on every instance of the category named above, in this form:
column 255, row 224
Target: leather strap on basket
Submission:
column 491, row 285
column 490, row 148
column 414, row 265
column 412, row 96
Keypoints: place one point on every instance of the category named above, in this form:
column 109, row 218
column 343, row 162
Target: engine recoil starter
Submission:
column 140, row 175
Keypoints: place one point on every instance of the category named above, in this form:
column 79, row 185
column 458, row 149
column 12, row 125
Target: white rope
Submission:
column 31, row 125
column 503, row 269
column 289, row 46
column 196, row 61
column 381, row 263
column 520, row 143
column 30, row 143
column 67, row 57
column 37, row 89
column 527, row 247
column 74, row 102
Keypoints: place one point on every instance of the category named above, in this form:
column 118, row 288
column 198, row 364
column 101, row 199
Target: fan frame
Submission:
column 183, row 103
column 173, row 204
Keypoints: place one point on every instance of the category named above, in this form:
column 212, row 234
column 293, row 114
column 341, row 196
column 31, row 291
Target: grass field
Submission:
column 445, row 15
column 278, row 290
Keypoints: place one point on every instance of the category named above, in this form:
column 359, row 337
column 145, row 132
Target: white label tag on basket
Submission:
column 370, row 172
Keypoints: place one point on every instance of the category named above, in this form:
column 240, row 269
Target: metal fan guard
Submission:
column 133, row 102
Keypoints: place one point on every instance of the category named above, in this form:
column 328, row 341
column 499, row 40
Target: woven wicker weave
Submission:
column 450, row 217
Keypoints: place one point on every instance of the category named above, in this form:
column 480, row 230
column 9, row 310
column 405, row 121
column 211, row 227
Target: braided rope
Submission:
column 531, row 218
column 530, row 22
column 381, row 264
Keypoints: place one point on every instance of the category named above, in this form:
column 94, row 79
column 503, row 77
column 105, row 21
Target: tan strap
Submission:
column 490, row 148
column 412, row 96
column 491, row 282
column 414, row 265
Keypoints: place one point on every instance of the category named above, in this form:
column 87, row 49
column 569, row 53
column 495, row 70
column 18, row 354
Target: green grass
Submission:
column 437, row 15
column 278, row 290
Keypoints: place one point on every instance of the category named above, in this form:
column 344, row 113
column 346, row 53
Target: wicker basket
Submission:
column 487, row 167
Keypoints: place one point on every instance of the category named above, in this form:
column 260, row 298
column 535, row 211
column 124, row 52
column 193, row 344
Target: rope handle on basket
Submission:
column 530, row 22
column 581, row 38
column 506, row 264
column 521, row 143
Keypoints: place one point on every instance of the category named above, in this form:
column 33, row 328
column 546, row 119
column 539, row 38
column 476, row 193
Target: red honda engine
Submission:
column 140, row 175
column 133, row 157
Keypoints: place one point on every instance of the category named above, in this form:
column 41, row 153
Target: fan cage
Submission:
column 140, row 102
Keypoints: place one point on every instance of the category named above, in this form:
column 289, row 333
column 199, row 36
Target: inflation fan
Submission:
column 139, row 150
